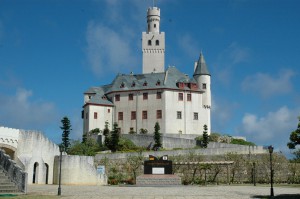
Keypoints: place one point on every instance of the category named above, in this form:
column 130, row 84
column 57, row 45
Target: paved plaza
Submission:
column 176, row 192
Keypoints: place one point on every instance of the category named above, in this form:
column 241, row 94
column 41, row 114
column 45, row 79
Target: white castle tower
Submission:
column 153, row 43
column 202, row 76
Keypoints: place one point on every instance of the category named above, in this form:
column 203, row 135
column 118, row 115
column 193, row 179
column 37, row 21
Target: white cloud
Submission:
column 267, row 86
column 274, row 128
column 108, row 50
column 19, row 111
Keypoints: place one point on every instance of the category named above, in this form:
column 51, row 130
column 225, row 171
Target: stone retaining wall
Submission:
column 14, row 172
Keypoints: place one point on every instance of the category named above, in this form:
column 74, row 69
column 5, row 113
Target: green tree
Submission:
column 115, row 137
column 157, row 136
column 89, row 147
column 294, row 137
column 106, row 128
column 66, row 127
column 241, row 142
column 205, row 136
column 106, row 134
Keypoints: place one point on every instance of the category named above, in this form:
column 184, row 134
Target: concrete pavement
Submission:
column 177, row 192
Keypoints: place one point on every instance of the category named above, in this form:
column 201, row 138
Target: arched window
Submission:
column 149, row 43
column 157, row 42
column 154, row 25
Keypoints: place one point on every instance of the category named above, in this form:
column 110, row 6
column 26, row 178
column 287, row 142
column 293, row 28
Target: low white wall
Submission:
column 33, row 148
column 78, row 170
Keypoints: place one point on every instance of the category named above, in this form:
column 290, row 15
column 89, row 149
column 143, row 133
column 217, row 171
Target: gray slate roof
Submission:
column 201, row 68
column 166, row 80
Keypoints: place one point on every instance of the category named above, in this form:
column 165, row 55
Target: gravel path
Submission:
column 179, row 192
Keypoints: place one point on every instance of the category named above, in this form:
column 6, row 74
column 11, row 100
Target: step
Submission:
column 158, row 180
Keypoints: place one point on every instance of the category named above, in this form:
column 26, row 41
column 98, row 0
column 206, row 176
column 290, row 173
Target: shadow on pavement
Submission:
column 282, row 196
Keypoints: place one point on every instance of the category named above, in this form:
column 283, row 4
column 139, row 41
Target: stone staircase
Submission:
column 6, row 185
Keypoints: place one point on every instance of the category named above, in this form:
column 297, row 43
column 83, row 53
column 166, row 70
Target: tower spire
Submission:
column 201, row 68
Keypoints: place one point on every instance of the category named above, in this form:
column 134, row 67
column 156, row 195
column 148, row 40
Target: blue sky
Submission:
column 51, row 51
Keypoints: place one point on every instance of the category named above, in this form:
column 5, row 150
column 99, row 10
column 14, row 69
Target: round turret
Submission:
column 153, row 19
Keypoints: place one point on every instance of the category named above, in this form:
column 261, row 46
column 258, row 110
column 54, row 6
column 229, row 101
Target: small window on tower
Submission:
column 149, row 43
column 203, row 86
column 95, row 115
column 195, row 116
column 157, row 42
column 154, row 25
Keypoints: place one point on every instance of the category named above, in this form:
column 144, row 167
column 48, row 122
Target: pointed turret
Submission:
column 201, row 68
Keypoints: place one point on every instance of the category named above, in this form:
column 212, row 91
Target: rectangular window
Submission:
column 95, row 115
column 133, row 115
column 145, row 96
column 158, row 95
column 117, row 97
column 120, row 116
column 204, row 86
column 180, row 96
column 195, row 116
column 108, row 110
column 178, row 114
column 145, row 116
column 130, row 96
column 189, row 97
column 158, row 114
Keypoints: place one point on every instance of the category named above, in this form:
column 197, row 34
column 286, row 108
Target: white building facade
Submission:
column 180, row 104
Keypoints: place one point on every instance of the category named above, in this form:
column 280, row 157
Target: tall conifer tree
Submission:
column 66, row 127
column 157, row 136
column 205, row 137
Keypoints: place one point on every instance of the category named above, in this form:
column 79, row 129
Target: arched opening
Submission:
column 47, row 172
column 149, row 43
column 157, row 42
column 35, row 173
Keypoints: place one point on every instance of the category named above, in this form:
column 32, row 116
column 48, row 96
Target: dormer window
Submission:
column 122, row 85
column 104, row 97
column 133, row 84
column 157, row 42
column 158, row 83
column 180, row 85
column 149, row 43
column 145, row 83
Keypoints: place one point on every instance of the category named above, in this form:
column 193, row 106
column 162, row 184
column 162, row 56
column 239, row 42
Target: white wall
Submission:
column 78, row 170
column 33, row 148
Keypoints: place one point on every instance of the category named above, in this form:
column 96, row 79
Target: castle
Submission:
column 179, row 103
